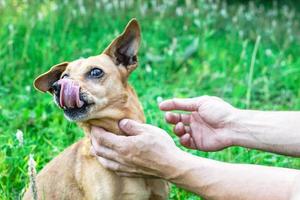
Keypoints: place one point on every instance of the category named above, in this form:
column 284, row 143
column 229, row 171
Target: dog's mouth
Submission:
column 77, row 113
column 72, row 100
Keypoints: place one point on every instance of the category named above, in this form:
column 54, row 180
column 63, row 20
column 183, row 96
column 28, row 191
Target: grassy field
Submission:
column 189, row 48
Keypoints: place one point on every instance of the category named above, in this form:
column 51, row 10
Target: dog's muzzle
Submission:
column 68, row 93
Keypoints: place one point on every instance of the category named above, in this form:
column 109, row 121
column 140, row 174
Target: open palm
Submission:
column 206, row 125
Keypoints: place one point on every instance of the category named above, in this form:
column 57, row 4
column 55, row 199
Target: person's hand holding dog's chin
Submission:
column 147, row 150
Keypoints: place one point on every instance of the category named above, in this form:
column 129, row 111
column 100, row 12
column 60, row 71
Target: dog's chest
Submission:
column 110, row 186
column 100, row 183
column 134, row 188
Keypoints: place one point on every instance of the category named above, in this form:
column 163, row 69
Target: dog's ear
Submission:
column 46, row 80
column 123, row 50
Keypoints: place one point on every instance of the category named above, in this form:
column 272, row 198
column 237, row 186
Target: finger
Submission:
column 174, row 118
column 115, row 166
column 121, row 168
column 192, row 143
column 185, row 140
column 102, row 137
column 107, row 153
column 180, row 129
column 190, row 104
column 131, row 127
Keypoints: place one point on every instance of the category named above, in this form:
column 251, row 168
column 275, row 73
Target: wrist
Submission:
column 243, row 128
column 174, row 161
column 195, row 173
column 183, row 163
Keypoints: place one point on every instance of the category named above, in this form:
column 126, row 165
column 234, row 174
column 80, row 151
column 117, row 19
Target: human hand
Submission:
column 147, row 150
column 207, row 126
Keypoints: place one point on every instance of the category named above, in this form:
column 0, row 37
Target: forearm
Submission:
column 216, row 180
column 276, row 131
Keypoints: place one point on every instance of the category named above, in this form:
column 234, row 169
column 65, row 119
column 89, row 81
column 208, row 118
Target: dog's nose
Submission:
column 56, row 88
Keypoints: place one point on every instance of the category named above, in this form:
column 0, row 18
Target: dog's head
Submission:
column 94, row 87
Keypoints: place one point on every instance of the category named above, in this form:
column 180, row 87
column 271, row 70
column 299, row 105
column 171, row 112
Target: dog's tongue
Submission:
column 69, row 94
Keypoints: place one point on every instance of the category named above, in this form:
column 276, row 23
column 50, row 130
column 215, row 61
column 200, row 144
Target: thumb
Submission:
column 131, row 127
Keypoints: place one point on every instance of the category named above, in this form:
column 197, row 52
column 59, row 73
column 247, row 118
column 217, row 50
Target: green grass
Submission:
column 187, row 50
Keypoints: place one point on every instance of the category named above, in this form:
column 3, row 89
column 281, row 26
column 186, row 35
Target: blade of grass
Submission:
column 253, row 59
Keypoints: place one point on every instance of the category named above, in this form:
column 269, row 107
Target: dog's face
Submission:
column 94, row 87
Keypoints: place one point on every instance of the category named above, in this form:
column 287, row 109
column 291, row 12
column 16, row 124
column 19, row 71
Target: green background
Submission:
column 189, row 48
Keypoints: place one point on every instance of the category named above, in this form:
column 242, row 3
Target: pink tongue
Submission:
column 69, row 94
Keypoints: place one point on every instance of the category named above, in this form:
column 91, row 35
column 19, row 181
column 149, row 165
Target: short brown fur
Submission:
column 75, row 173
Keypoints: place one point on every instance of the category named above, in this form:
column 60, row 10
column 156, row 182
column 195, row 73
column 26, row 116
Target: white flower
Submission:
column 148, row 68
column 55, row 149
column 268, row 52
column 223, row 13
column 179, row 11
column 27, row 88
column 19, row 136
column 44, row 116
column 159, row 99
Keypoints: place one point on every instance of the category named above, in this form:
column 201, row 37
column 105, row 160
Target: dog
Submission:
column 94, row 91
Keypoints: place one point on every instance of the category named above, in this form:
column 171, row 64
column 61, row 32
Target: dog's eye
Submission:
column 96, row 73
column 65, row 76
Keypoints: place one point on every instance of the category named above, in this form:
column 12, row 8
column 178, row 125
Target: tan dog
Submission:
column 94, row 91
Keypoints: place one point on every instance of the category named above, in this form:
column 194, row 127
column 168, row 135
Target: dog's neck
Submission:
column 132, row 109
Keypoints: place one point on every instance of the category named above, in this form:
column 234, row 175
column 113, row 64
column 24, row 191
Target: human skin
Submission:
column 210, row 124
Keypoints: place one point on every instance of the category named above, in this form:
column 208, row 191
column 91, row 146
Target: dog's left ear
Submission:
column 45, row 81
column 123, row 50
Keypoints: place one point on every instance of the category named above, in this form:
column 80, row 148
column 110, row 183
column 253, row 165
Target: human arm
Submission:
column 211, row 124
column 150, row 151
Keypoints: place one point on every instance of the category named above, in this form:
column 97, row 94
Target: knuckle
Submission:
column 124, row 150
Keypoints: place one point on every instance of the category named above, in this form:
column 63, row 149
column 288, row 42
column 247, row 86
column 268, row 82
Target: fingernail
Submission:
column 123, row 122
